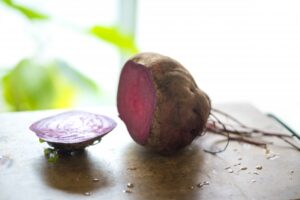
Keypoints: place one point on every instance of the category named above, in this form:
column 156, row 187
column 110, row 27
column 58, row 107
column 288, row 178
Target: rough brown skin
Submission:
column 182, row 109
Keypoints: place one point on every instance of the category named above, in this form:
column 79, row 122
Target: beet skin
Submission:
column 160, row 103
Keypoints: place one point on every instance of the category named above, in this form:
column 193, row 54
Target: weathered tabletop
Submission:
column 117, row 160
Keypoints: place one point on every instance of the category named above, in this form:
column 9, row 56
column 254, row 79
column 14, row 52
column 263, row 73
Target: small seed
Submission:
column 243, row 168
column 258, row 167
column 130, row 185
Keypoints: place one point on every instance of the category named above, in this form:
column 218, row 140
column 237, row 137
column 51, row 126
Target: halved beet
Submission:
column 73, row 130
column 160, row 103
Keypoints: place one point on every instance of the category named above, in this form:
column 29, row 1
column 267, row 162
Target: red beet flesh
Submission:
column 136, row 100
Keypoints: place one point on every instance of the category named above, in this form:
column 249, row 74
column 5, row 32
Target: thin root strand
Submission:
column 241, row 132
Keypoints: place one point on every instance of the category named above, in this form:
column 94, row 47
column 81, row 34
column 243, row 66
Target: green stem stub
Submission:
column 51, row 154
column 41, row 140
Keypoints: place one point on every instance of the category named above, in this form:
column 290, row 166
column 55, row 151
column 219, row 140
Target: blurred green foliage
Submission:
column 114, row 36
column 34, row 85
column 28, row 12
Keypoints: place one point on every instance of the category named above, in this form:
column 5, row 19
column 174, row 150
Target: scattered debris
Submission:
column 130, row 185
column 87, row 194
column 243, row 168
column 256, row 173
column 227, row 167
column 206, row 183
column 292, row 171
column 240, row 158
column 96, row 179
column 230, row 170
column 200, row 185
column 131, row 168
column 127, row 191
column 258, row 167
column 191, row 187
column 237, row 164
column 267, row 151
column 253, row 181
column 272, row 156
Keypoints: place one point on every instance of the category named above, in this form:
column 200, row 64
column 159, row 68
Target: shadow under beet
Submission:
column 164, row 177
column 74, row 174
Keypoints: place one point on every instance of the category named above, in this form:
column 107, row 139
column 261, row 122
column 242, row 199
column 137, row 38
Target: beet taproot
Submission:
column 160, row 103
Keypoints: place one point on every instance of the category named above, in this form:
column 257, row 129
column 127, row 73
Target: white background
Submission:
column 237, row 50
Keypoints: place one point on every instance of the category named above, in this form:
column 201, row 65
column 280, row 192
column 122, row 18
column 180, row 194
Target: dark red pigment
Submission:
column 136, row 100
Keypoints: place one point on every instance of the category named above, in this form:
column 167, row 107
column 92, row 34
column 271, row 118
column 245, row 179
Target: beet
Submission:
column 73, row 130
column 160, row 103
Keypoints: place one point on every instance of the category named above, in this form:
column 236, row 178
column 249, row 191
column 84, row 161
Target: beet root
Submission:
column 160, row 103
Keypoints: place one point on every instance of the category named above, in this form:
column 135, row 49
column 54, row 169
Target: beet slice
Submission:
column 136, row 100
column 73, row 129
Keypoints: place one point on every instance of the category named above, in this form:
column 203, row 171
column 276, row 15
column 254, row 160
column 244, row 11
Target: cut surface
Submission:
column 136, row 100
column 73, row 127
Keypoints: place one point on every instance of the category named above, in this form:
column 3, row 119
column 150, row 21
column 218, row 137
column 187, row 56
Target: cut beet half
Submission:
column 136, row 100
column 73, row 127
